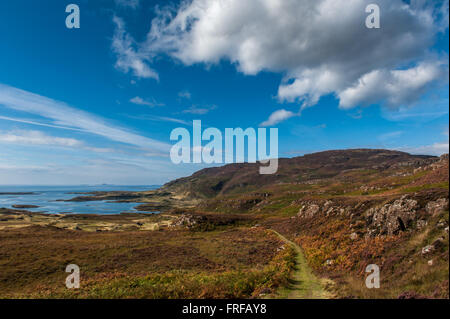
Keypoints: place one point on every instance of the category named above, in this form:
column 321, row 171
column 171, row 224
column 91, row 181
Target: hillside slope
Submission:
column 383, row 208
column 234, row 178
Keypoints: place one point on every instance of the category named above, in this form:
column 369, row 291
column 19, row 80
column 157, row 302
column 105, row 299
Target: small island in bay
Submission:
column 25, row 206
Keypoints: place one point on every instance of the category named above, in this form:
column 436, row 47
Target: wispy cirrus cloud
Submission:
column 200, row 110
column 430, row 107
column 407, row 116
column 436, row 149
column 147, row 117
column 127, row 3
column 63, row 115
column 37, row 138
column 33, row 122
column 140, row 101
column 185, row 94
column 387, row 137
column 116, row 171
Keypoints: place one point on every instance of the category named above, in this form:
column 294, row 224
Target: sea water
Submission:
column 46, row 197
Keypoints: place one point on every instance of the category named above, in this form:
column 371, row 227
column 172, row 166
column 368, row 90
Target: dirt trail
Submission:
column 303, row 283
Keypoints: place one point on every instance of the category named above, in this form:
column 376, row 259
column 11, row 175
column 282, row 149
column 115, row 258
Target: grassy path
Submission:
column 303, row 284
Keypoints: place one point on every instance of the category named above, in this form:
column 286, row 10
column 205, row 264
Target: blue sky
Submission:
column 97, row 104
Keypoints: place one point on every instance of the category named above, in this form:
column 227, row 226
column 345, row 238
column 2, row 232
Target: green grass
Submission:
column 442, row 185
column 303, row 284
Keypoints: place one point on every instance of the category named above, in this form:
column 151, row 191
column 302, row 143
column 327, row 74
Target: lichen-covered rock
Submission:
column 441, row 223
column 437, row 206
column 186, row 220
column 427, row 249
column 390, row 219
column 353, row 236
column 421, row 223
column 308, row 211
column 329, row 262
column 327, row 204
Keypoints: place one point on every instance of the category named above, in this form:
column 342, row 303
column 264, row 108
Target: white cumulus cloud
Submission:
column 320, row 47
column 128, row 57
column 397, row 87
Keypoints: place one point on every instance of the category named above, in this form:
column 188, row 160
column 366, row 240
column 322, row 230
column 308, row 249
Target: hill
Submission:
column 234, row 178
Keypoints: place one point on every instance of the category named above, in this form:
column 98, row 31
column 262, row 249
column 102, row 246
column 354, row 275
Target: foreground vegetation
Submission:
column 236, row 262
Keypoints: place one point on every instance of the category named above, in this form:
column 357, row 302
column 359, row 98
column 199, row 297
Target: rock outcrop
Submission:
column 390, row 219
column 400, row 215
column 308, row 211
column 435, row 207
